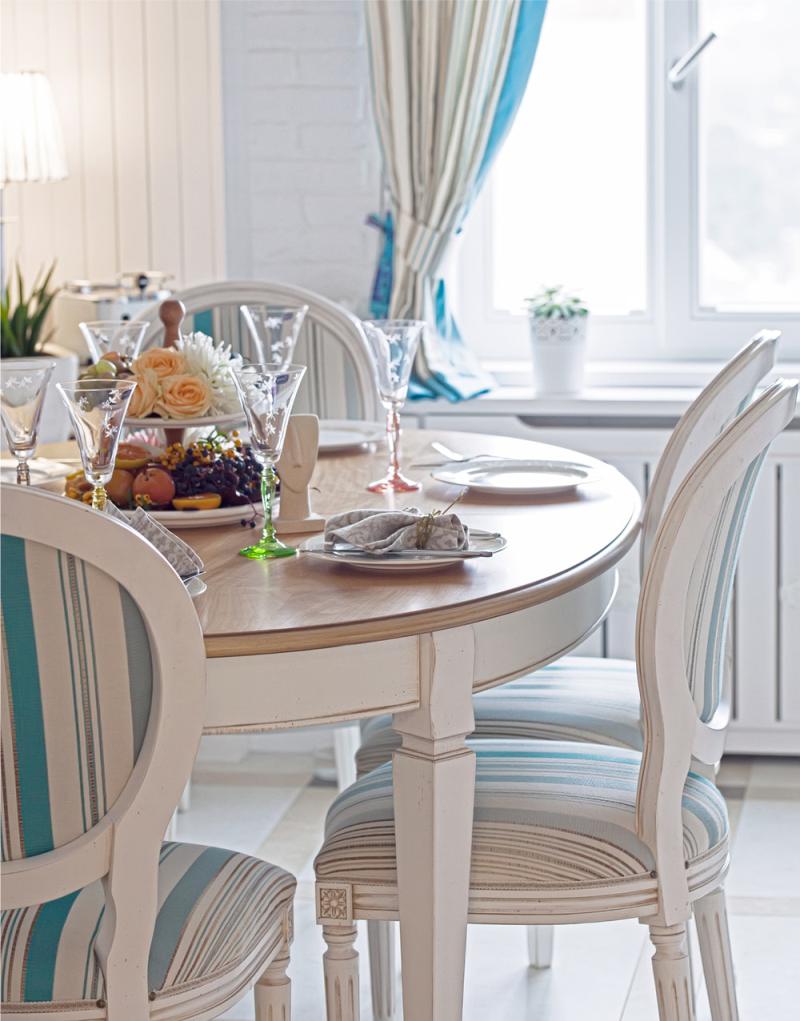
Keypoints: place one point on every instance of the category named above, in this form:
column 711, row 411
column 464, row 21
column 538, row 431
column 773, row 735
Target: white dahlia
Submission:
column 216, row 363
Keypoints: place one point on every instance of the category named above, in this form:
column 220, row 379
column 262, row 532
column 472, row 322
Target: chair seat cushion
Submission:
column 548, row 815
column 575, row 699
column 215, row 909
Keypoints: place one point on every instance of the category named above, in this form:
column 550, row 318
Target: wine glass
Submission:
column 393, row 343
column 125, row 336
column 274, row 331
column 97, row 408
column 267, row 392
column 23, row 385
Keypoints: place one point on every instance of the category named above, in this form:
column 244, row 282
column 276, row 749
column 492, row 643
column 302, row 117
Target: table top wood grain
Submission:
column 555, row 544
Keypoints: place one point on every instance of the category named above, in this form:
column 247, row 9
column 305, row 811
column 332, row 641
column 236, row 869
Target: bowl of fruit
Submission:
column 213, row 481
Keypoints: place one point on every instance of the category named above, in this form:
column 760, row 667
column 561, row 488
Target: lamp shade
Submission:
column 31, row 143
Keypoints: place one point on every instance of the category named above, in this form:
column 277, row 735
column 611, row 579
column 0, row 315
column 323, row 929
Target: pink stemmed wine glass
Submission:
column 393, row 343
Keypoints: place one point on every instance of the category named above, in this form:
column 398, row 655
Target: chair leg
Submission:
column 671, row 973
column 346, row 742
column 381, row 936
column 713, row 935
column 273, row 991
column 340, row 962
column 540, row 946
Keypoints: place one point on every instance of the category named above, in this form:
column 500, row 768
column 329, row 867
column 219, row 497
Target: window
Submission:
column 675, row 211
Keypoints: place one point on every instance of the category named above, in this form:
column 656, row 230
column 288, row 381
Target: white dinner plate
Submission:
column 424, row 560
column 221, row 421
column 175, row 519
column 517, row 477
column 337, row 435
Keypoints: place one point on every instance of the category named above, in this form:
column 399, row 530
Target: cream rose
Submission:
column 144, row 397
column 163, row 361
column 184, row 397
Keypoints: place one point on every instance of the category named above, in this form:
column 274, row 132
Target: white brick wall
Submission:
column 301, row 158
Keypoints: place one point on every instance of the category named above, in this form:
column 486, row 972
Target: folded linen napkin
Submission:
column 377, row 531
column 182, row 557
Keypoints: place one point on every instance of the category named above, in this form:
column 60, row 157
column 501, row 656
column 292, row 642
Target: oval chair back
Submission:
column 103, row 701
column 339, row 383
column 681, row 627
column 728, row 393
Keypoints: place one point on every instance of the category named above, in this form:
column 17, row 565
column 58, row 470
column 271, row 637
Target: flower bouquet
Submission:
column 190, row 383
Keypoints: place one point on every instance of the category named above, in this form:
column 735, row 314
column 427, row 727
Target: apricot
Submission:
column 119, row 487
column 155, row 483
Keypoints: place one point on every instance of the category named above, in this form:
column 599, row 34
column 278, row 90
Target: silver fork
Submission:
column 452, row 456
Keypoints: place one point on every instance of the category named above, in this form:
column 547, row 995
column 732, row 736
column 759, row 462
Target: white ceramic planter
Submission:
column 54, row 424
column 558, row 347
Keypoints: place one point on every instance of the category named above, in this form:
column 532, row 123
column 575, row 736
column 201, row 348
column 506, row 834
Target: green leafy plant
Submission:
column 22, row 327
column 555, row 303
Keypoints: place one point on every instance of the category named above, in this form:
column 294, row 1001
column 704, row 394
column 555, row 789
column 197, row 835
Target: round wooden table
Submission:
column 299, row 641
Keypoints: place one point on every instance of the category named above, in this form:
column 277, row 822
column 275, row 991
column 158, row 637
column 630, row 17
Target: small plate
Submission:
column 516, row 477
column 221, row 421
column 425, row 560
column 337, row 435
column 42, row 470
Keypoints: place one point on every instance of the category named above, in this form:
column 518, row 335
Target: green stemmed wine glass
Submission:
column 267, row 392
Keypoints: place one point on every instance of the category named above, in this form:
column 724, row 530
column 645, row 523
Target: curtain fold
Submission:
column 447, row 79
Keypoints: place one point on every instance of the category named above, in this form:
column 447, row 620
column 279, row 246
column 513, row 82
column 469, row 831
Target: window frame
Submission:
column 674, row 325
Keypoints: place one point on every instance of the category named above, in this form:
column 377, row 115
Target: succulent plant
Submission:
column 555, row 303
column 22, row 328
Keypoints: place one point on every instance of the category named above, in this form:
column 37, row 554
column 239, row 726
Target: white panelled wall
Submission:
column 765, row 634
column 137, row 85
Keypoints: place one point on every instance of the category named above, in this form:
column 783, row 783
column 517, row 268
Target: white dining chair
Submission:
column 581, row 698
column 567, row 832
column 103, row 699
column 339, row 383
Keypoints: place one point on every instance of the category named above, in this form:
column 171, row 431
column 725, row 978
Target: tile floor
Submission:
column 270, row 805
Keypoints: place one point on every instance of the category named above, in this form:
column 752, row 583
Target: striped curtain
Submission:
column 447, row 79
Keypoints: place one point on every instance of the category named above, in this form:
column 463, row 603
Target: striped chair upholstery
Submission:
column 548, row 815
column 77, row 687
column 211, row 921
column 575, row 699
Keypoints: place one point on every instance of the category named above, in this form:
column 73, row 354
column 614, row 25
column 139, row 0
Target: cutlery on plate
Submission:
column 416, row 554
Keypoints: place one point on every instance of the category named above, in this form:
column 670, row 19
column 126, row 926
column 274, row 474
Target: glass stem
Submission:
column 23, row 473
column 268, row 483
column 393, row 435
column 99, row 497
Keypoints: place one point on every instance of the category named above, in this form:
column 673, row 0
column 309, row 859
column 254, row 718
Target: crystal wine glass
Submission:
column 23, row 385
column 273, row 331
column 393, row 343
column 267, row 392
column 97, row 408
column 125, row 336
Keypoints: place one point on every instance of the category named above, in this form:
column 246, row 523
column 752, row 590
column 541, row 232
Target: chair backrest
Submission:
column 682, row 621
column 728, row 393
column 339, row 382
column 103, row 700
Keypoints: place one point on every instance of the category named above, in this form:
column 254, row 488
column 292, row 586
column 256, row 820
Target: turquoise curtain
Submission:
column 486, row 49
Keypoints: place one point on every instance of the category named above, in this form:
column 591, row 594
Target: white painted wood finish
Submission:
column 673, row 736
column 340, row 381
column 123, row 848
column 138, row 88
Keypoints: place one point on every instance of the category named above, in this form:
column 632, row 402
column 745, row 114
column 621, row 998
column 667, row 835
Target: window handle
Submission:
column 680, row 68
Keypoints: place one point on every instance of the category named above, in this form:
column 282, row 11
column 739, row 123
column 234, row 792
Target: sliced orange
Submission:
column 132, row 455
column 202, row 501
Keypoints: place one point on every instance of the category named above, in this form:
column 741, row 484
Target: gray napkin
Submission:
column 376, row 531
column 182, row 557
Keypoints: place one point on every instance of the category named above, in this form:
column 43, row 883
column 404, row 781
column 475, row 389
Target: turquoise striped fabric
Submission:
column 77, row 687
column 709, row 594
column 216, row 908
column 575, row 699
column 548, row 814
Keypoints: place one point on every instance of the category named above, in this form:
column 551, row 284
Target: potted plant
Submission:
column 558, row 340
column 23, row 335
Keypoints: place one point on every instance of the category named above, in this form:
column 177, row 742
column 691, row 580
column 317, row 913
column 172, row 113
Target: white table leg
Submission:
column 434, row 789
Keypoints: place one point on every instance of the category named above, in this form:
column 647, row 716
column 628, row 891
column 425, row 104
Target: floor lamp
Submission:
column 31, row 143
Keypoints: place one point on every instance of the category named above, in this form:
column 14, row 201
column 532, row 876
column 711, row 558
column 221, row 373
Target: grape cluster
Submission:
column 215, row 465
